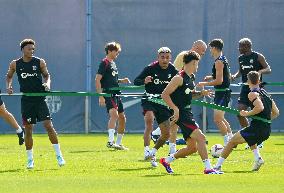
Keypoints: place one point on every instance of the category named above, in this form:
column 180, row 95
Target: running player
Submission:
column 249, row 60
column 156, row 76
column 200, row 47
column 263, row 106
column 106, row 78
column 178, row 95
column 30, row 71
column 221, row 82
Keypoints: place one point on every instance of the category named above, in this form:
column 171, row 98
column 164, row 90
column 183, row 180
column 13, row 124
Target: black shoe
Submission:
column 21, row 137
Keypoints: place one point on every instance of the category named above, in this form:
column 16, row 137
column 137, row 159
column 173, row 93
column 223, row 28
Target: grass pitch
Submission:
column 91, row 167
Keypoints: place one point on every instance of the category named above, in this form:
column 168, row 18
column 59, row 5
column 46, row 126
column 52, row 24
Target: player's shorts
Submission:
column 162, row 113
column 243, row 99
column 186, row 123
column 147, row 106
column 34, row 111
column 114, row 102
column 222, row 98
column 256, row 133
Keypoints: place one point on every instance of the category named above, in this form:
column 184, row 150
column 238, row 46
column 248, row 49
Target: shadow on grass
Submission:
column 160, row 175
column 240, row 172
column 134, row 169
column 279, row 144
column 10, row 171
column 83, row 151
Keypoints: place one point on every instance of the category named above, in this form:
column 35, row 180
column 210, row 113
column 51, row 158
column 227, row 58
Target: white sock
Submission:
column 119, row 139
column 154, row 151
column 207, row 164
column 230, row 135
column 157, row 131
column 220, row 161
column 170, row 158
column 146, row 148
column 256, row 154
column 172, row 147
column 30, row 154
column 111, row 135
column 57, row 149
column 19, row 130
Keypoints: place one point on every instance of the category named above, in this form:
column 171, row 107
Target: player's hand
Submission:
column 175, row 117
column 148, row 79
column 102, row 101
column 10, row 90
column 209, row 93
column 244, row 113
column 46, row 86
column 207, row 78
column 201, row 84
column 125, row 81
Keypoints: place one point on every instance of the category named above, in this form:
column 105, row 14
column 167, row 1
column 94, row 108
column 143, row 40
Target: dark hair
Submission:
column 217, row 43
column 111, row 46
column 254, row 77
column 189, row 56
column 26, row 42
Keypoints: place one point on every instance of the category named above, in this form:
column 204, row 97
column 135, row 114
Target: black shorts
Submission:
column 114, row 102
column 243, row 99
column 147, row 106
column 256, row 133
column 186, row 123
column 34, row 111
column 222, row 98
column 162, row 113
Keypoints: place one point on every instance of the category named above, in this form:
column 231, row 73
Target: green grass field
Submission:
column 91, row 167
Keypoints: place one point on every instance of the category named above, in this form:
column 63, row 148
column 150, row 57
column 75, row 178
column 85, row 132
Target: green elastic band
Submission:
column 221, row 89
column 212, row 106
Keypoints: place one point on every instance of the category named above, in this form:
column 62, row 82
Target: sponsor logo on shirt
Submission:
column 26, row 75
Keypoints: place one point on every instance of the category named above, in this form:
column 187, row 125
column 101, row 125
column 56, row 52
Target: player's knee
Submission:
column 48, row 126
column 218, row 119
column 201, row 138
column 165, row 135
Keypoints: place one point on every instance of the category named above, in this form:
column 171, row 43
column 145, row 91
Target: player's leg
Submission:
column 149, row 120
column 221, row 124
column 165, row 134
column 172, row 139
column 113, row 117
column 182, row 153
column 10, row 119
column 44, row 116
column 29, row 145
column 54, row 141
column 235, row 140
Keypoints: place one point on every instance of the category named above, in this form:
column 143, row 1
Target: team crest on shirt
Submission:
column 29, row 120
column 251, row 61
column 188, row 90
column 54, row 104
column 34, row 67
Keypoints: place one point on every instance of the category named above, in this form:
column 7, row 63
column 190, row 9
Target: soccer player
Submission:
column 263, row 106
column 10, row 119
column 106, row 78
column 178, row 95
column 30, row 71
column 249, row 60
column 156, row 77
column 221, row 82
column 200, row 47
